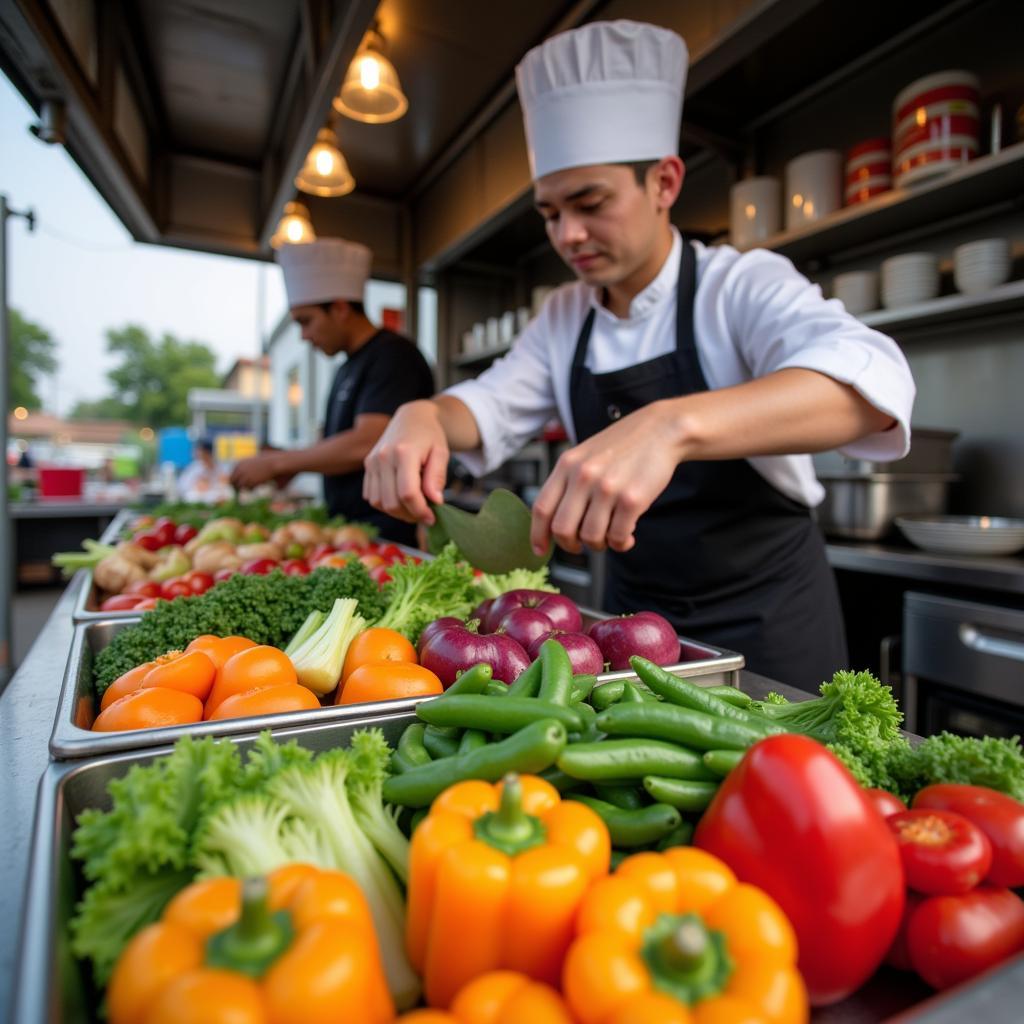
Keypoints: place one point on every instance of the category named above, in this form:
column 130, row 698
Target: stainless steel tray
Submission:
column 72, row 736
column 49, row 984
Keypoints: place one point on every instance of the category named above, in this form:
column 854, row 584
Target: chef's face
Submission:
column 325, row 329
column 603, row 222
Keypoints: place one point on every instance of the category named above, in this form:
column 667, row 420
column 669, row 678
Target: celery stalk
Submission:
column 313, row 622
column 318, row 661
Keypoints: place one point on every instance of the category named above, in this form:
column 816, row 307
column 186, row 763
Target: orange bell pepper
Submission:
column 673, row 938
column 295, row 948
column 496, row 875
column 499, row 997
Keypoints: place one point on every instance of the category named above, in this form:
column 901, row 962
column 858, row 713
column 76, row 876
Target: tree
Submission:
column 153, row 379
column 32, row 355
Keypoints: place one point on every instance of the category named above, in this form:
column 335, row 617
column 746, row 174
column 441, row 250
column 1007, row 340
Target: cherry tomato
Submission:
column 120, row 603
column 380, row 575
column 144, row 588
column 258, row 567
column 147, row 604
column 953, row 938
column 999, row 816
column 885, row 803
column 177, row 587
column 389, row 552
column 943, row 853
column 184, row 533
column 319, row 551
column 198, row 582
column 163, row 531
column 223, row 574
column 295, row 567
column 148, row 540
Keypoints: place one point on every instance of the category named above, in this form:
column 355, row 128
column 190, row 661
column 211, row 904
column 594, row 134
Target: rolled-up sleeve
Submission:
column 511, row 400
column 780, row 320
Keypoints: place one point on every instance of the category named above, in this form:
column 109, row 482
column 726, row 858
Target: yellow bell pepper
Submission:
column 295, row 948
column 496, row 875
column 673, row 938
column 499, row 997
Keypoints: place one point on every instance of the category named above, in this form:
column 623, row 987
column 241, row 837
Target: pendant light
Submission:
column 294, row 228
column 325, row 172
column 371, row 91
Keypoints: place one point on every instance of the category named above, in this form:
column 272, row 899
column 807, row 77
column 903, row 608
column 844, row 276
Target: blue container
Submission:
column 174, row 445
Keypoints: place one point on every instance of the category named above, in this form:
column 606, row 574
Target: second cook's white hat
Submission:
column 324, row 270
column 609, row 92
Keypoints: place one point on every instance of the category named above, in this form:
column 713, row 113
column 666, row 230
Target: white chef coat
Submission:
column 754, row 313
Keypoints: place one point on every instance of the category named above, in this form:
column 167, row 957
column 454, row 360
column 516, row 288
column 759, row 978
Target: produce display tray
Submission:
column 72, row 736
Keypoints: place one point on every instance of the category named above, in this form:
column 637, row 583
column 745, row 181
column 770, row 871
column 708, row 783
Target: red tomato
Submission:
column 163, row 532
column 146, row 604
column 223, row 574
column 295, row 567
column 389, row 552
column 258, row 567
column 319, row 551
column 177, row 587
column 953, row 938
column 120, row 603
column 148, row 540
column 198, row 582
column 885, row 803
column 899, row 953
column 184, row 533
column 999, row 816
column 943, row 853
column 840, row 882
column 380, row 575
column 144, row 588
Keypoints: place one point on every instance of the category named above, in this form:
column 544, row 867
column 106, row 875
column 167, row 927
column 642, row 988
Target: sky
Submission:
column 79, row 273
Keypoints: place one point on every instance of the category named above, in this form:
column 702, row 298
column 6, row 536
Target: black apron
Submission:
column 721, row 553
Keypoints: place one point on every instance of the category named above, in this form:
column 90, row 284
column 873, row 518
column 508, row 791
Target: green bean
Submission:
column 680, row 836
column 439, row 744
column 721, row 762
column 528, row 682
column 410, row 750
column 556, row 673
column 631, row 759
column 628, row 797
column 530, row 750
column 473, row 680
column 562, row 782
column 628, row 828
column 688, row 695
column 472, row 739
column 604, row 695
column 686, row 794
column 582, row 685
column 496, row 688
column 590, row 733
column 630, row 694
column 731, row 695
column 504, row 715
column 692, row 729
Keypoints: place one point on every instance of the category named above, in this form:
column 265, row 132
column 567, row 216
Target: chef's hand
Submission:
column 407, row 467
column 599, row 489
column 250, row 473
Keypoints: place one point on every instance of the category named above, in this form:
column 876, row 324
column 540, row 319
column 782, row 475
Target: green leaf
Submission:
column 497, row 538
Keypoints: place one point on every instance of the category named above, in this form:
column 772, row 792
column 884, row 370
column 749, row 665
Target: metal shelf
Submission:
column 950, row 308
column 979, row 184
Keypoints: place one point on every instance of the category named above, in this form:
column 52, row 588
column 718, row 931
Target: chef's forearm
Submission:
column 457, row 422
column 792, row 411
column 341, row 453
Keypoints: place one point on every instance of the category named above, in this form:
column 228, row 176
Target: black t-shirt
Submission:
column 385, row 373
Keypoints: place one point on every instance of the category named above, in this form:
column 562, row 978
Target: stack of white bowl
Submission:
column 981, row 265
column 857, row 290
column 909, row 278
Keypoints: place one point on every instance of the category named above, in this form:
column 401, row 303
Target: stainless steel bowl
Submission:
column 865, row 506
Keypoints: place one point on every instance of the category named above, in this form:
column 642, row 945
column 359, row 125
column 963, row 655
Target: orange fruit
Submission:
column 387, row 680
column 128, row 683
column 250, row 669
column 377, row 644
column 266, row 700
column 219, row 648
column 189, row 671
column 149, row 708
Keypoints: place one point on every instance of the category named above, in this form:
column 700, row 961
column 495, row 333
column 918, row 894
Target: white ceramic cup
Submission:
column 857, row 290
column 754, row 211
column 814, row 184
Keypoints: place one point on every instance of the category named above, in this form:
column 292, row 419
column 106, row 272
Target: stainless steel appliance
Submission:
column 963, row 667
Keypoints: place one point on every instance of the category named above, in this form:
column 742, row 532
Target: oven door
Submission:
column 963, row 667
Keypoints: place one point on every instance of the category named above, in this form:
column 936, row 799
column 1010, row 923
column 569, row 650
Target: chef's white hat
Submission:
column 609, row 92
column 324, row 270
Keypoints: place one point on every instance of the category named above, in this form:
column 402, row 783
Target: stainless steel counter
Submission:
column 1005, row 574
column 27, row 710
column 65, row 509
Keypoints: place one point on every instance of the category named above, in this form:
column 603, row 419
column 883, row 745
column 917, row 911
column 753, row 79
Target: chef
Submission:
column 325, row 281
column 693, row 380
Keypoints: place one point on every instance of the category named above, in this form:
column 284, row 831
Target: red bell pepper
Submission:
column 791, row 820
